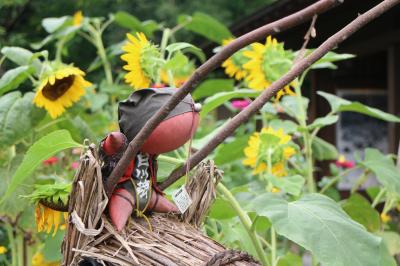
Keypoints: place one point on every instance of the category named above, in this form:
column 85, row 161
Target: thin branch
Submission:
column 309, row 34
column 212, row 63
column 267, row 94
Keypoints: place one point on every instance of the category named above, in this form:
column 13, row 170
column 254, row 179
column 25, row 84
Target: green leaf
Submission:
column 53, row 24
column 131, row 22
column 21, row 56
column 341, row 105
column 13, row 78
column 323, row 150
column 288, row 126
column 231, row 151
column 327, row 59
column 289, row 104
column 178, row 46
column 323, row 121
column 318, row 224
column 392, row 241
column 18, row 116
column 178, row 61
column 290, row 259
column 220, row 98
column 42, row 149
column 290, row 184
column 51, row 249
column 206, row 26
column 360, row 210
column 212, row 86
column 384, row 168
column 221, row 209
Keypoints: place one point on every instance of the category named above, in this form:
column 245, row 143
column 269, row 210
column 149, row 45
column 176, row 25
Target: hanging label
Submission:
column 182, row 199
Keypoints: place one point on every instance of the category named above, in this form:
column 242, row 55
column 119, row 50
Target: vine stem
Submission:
column 246, row 222
column 212, row 63
column 303, row 64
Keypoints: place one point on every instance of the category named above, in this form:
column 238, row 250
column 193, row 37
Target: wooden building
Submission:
column 372, row 77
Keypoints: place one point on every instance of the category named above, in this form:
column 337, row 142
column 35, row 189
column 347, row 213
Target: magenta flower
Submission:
column 240, row 104
column 74, row 165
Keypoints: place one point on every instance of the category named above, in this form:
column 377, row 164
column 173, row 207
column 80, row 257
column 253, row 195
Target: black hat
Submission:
column 141, row 105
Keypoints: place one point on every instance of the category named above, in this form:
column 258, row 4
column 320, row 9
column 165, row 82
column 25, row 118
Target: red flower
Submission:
column 342, row 162
column 240, row 104
column 52, row 160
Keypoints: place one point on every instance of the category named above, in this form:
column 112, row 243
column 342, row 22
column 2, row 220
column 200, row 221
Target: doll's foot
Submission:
column 120, row 207
column 159, row 203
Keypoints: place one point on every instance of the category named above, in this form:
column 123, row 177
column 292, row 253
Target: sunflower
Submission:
column 77, row 18
column 60, row 90
column 3, row 250
column 255, row 154
column 266, row 64
column 234, row 64
column 38, row 260
column 143, row 61
column 47, row 218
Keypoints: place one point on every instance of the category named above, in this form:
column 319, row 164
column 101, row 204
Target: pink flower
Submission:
column 240, row 104
column 52, row 160
column 74, row 165
column 342, row 162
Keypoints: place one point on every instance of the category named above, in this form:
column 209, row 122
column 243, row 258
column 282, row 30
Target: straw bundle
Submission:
column 163, row 239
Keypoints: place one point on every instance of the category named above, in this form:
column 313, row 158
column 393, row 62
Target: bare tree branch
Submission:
column 267, row 94
column 212, row 63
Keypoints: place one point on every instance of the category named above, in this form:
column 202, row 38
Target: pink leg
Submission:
column 120, row 207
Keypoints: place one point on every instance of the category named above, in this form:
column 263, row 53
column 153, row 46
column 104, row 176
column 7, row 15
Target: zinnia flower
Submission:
column 52, row 160
column 240, row 104
column 234, row 64
column 60, row 90
column 3, row 250
column 77, row 18
column 342, row 162
column 143, row 61
column 48, row 219
column 267, row 63
column 255, row 156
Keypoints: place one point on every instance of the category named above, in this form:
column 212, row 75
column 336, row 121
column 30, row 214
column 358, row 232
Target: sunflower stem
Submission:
column 246, row 222
column 102, row 53
column 59, row 49
column 164, row 42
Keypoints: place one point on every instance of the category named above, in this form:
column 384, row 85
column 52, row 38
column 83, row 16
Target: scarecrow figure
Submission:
column 137, row 191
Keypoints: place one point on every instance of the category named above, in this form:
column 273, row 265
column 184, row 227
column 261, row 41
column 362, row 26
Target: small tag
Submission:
column 182, row 199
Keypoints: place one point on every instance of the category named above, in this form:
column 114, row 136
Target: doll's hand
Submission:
column 114, row 143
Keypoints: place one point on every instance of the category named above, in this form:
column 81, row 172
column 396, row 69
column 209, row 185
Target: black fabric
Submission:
column 134, row 112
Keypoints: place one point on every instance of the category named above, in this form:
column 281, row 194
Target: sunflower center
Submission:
column 55, row 91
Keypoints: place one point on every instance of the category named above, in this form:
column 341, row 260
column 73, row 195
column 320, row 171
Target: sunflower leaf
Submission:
column 205, row 26
column 13, row 78
column 318, row 224
column 42, row 149
column 17, row 117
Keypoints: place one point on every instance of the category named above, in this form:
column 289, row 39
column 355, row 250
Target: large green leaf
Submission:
column 341, row 105
column 323, row 121
column 220, row 98
column 231, row 151
column 53, row 24
column 290, row 259
column 327, row 60
column 212, row 86
column 18, row 116
column 318, row 224
column 290, row 184
column 21, row 56
column 206, row 26
column 360, row 210
column 392, row 240
column 384, row 168
column 131, row 22
column 221, row 209
column 323, row 150
column 13, row 78
column 42, row 149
